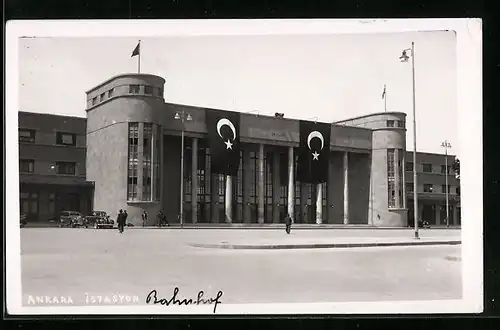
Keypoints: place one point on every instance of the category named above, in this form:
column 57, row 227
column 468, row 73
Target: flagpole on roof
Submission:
column 384, row 96
column 139, row 59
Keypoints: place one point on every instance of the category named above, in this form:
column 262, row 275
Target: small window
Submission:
column 102, row 97
column 159, row 91
column 94, row 101
column 428, row 188
column 401, row 123
column 457, row 190
column 67, row 139
column 409, row 166
column 27, row 135
column 67, row 168
column 427, row 168
column 134, row 89
column 390, row 123
column 148, row 90
column 443, row 189
column 110, row 93
column 409, row 187
column 26, row 165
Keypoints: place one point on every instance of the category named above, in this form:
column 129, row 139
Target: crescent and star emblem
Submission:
column 226, row 122
column 312, row 135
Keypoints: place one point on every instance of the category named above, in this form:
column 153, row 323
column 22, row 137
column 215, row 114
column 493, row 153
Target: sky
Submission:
column 325, row 76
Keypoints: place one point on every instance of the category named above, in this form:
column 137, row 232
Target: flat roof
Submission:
column 51, row 114
column 372, row 114
column 120, row 76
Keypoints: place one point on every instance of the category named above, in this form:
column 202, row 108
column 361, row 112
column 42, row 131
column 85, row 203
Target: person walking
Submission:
column 144, row 218
column 162, row 219
column 125, row 216
column 120, row 221
column 288, row 223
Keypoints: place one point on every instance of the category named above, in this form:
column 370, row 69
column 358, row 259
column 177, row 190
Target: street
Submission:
column 87, row 262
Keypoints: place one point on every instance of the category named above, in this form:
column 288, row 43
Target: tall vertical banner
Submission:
column 314, row 152
column 224, row 141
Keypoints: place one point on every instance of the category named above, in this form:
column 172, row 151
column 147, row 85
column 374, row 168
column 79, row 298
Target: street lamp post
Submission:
column 182, row 116
column 404, row 58
column 445, row 144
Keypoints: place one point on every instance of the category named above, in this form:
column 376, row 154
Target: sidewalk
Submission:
column 299, row 242
column 282, row 226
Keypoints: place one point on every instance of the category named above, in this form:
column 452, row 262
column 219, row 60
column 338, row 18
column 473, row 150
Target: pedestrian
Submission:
column 125, row 216
column 119, row 221
column 162, row 219
column 144, row 218
column 288, row 223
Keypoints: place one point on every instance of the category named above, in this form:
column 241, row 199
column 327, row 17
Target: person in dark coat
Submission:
column 125, row 216
column 162, row 219
column 288, row 223
column 144, row 218
column 120, row 221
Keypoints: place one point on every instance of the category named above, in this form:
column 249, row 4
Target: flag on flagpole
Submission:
column 383, row 93
column 137, row 50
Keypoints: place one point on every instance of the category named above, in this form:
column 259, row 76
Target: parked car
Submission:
column 99, row 219
column 71, row 219
column 23, row 220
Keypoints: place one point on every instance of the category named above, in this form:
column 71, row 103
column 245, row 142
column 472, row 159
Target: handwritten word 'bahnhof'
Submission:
column 153, row 299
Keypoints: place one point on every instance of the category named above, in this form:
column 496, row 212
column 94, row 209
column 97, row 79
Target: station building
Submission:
column 135, row 143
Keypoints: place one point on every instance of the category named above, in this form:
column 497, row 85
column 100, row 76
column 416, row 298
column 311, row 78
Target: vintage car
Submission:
column 23, row 220
column 71, row 219
column 99, row 219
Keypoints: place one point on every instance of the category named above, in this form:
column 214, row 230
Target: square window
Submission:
column 390, row 123
column 148, row 90
column 110, row 93
column 134, row 89
column 428, row 188
column 409, row 166
column 101, row 98
column 409, row 187
column 68, row 139
column 66, row 168
column 427, row 168
column 27, row 135
column 26, row 165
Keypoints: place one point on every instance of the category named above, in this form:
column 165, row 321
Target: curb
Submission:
column 319, row 246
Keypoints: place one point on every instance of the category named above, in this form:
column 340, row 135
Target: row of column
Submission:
column 261, row 191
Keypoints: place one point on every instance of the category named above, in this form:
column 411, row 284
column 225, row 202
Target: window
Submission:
column 101, row 98
column 29, row 202
column 391, row 180
column 26, row 165
column 390, row 123
column 94, row 101
column 401, row 123
column 146, row 161
column 52, row 199
column 27, row 135
column 134, row 89
column 148, row 90
column 133, row 161
column 67, row 139
column 67, row 168
column 409, row 187
column 428, row 188
column 159, row 91
column 443, row 169
column 427, row 168
column 443, row 189
column 110, row 93
column 409, row 167
column 457, row 190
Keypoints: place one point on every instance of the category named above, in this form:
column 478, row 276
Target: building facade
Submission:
column 129, row 150
column 52, row 152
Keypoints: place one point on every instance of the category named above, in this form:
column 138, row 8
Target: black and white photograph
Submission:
column 244, row 167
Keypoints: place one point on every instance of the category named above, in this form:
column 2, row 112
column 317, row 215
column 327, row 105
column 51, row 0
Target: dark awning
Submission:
column 54, row 180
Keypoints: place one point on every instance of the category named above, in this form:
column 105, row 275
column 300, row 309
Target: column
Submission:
column 304, row 196
column 247, row 182
column 229, row 199
column 403, row 183
column 291, row 185
column 140, row 156
column 260, row 185
column 438, row 214
column 194, row 181
column 214, row 198
column 276, row 187
column 319, row 204
column 346, row 189
column 161, row 164
column 396, row 178
column 455, row 215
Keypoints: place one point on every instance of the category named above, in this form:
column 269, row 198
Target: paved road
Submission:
column 77, row 262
